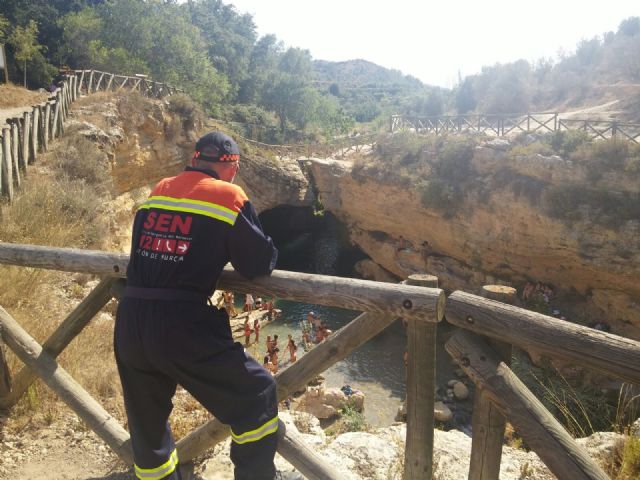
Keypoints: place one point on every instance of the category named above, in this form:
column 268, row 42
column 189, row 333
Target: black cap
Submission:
column 217, row 147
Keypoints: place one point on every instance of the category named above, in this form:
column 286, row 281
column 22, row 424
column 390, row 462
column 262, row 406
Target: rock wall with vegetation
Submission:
column 556, row 209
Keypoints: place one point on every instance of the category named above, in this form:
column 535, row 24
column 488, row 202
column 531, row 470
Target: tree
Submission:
column 229, row 37
column 465, row 96
column 629, row 27
column 25, row 45
column 4, row 28
column 262, row 62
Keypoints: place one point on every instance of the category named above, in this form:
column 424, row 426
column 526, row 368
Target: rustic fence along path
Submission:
column 501, row 125
column 26, row 136
column 336, row 148
column 482, row 346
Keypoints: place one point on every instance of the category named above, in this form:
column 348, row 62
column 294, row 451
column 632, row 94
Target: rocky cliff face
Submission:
column 145, row 141
column 501, row 235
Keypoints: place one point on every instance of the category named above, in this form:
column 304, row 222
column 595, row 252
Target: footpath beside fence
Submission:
column 28, row 135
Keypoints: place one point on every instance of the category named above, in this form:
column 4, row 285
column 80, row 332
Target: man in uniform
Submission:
column 167, row 332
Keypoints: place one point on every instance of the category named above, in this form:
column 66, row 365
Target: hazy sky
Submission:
column 433, row 40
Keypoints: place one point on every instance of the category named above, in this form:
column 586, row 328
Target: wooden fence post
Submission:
column 487, row 423
column 539, row 429
column 89, row 88
column 56, row 115
column 26, row 132
column 62, row 336
column 421, row 384
column 69, row 391
column 15, row 152
column 46, row 121
column 80, row 83
column 35, row 131
column 7, row 173
column 1, row 166
column 5, row 374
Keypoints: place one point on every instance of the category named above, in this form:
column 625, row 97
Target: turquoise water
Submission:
column 376, row 368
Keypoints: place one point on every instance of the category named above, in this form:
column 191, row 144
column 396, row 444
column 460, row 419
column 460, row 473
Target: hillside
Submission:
column 362, row 73
column 115, row 146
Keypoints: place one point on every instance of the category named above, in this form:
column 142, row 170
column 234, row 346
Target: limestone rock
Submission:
column 326, row 403
column 460, row 391
column 370, row 270
column 506, row 236
column 441, row 412
column 271, row 183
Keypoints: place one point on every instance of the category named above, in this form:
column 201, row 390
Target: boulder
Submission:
column 327, row 402
column 441, row 412
column 460, row 391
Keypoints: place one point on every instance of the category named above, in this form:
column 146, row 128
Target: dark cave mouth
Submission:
column 310, row 242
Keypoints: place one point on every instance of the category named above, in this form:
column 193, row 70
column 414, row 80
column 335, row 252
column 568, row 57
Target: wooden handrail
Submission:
column 61, row 337
column 607, row 353
column 384, row 303
column 426, row 304
column 32, row 354
column 542, row 432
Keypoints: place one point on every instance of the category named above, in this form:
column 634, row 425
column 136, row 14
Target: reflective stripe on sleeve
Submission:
column 254, row 435
column 212, row 210
column 158, row 472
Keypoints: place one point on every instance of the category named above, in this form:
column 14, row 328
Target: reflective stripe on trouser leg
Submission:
column 159, row 472
column 259, row 433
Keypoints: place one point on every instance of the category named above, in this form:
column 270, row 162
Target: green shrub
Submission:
column 454, row 161
column 56, row 212
column 580, row 406
column 630, row 468
column 575, row 203
column 80, row 159
column 189, row 111
column 564, row 143
column 351, row 420
column 603, row 156
column 441, row 196
column 530, row 150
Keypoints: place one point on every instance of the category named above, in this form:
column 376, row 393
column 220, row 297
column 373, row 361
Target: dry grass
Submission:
column 12, row 96
column 62, row 203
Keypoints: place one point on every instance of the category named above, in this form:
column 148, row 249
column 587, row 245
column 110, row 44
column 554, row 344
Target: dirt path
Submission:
column 64, row 451
column 12, row 112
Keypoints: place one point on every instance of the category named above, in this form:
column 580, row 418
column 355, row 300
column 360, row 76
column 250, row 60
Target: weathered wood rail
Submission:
column 92, row 81
column 502, row 125
column 382, row 302
column 336, row 148
column 28, row 135
column 501, row 395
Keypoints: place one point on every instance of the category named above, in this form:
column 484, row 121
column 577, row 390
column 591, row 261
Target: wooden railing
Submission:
column 500, row 395
column 92, row 81
column 501, row 125
column 28, row 135
column 337, row 148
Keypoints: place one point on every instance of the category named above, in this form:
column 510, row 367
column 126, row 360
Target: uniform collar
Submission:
column 211, row 173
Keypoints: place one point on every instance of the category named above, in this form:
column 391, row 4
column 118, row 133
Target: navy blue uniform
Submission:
column 167, row 334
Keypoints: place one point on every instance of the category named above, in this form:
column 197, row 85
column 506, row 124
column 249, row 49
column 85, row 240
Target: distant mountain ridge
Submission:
column 363, row 73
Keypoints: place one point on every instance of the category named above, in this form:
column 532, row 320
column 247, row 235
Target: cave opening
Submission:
column 310, row 242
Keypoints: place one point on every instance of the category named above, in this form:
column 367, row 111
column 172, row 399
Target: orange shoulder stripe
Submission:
column 199, row 186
